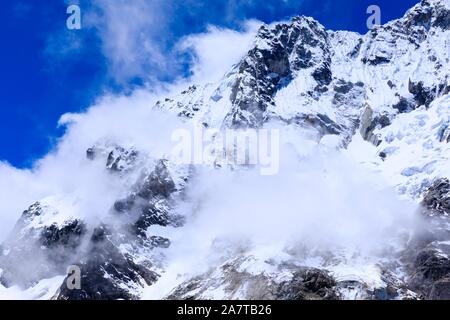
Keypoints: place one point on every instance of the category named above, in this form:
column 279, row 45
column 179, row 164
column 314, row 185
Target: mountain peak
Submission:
column 280, row 50
column 428, row 14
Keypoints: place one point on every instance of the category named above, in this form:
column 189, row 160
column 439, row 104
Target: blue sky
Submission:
column 47, row 70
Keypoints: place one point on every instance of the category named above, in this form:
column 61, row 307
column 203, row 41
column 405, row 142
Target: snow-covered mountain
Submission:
column 368, row 120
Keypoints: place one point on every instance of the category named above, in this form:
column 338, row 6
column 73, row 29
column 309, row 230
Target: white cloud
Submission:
column 140, row 46
column 18, row 189
column 132, row 35
column 217, row 49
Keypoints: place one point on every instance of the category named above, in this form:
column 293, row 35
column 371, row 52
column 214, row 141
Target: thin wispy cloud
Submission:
column 141, row 39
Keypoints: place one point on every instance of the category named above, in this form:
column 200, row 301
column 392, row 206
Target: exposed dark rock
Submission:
column 404, row 105
column 319, row 121
column 69, row 236
column 384, row 293
column 191, row 89
column 117, row 158
column 442, row 19
column 390, row 84
column 100, row 234
column 151, row 215
column 90, row 153
column 124, row 205
column 107, row 274
column 120, row 159
column 440, row 290
column 444, row 133
column 322, row 121
column 158, row 183
column 382, row 121
column 343, row 87
column 150, row 203
column 356, row 50
column 437, row 198
column 369, row 123
column 186, row 290
column 422, row 95
column 421, row 17
column 323, row 74
column 308, row 284
column 159, row 242
column 45, row 249
column 429, row 267
column 301, row 44
column 33, row 211
column 376, row 60
column 305, row 284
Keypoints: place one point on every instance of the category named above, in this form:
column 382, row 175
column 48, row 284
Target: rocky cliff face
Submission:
column 389, row 88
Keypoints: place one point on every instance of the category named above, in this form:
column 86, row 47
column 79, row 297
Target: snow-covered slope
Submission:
column 365, row 123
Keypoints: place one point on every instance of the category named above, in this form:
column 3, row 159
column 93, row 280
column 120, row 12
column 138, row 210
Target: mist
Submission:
column 321, row 201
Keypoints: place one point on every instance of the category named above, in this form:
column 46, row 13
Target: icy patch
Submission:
column 414, row 153
column 43, row 290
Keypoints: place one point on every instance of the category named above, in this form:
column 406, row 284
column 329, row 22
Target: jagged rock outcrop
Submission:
column 118, row 159
column 304, row 284
column 107, row 273
column 109, row 254
column 279, row 52
column 429, row 252
column 37, row 250
column 369, row 123
column 308, row 284
column 430, row 270
column 437, row 198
